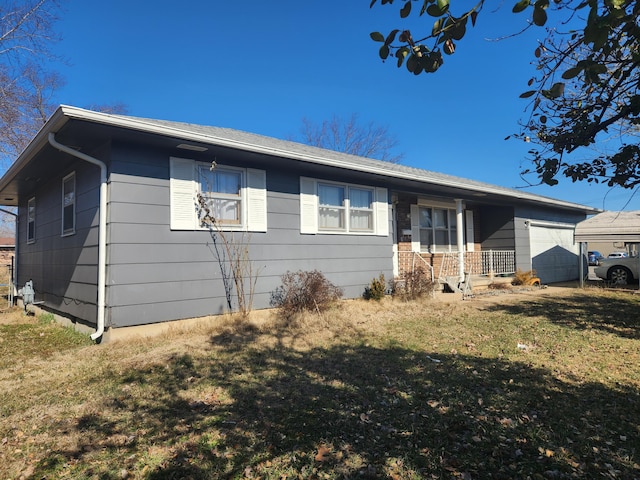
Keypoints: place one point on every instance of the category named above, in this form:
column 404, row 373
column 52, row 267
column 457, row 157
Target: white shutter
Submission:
column 382, row 212
column 308, row 206
column 469, row 230
column 415, row 228
column 182, row 193
column 256, row 200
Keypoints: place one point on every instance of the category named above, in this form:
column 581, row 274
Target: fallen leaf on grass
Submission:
column 546, row 452
column 323, row 455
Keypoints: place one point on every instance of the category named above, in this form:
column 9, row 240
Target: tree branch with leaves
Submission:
column 585, row 90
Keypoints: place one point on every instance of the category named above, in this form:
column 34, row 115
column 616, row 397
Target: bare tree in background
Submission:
column 349, row 136
column 26, row 84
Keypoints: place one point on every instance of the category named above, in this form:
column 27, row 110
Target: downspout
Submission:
column 102, row 232
column 460, row 238
column 14, row 287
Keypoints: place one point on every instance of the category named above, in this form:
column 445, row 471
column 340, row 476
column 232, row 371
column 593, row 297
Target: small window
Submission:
column 222, row 190
column 31, row 220
column 69, row 204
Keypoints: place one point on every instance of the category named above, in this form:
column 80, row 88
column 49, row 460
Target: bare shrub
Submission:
column 238, row 271
column 414, row 285
column 304, row 291
column 523, row 278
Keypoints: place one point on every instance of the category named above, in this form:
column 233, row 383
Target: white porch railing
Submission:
column 410, row 261
column 484, row 263
column 488, row 263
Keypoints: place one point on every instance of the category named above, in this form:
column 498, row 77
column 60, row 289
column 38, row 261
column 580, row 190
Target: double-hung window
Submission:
column 69, row 204
column 361, row 217
column 230, row 197
column 31, row 220
column 436, row 228
column 221, row 190
column 331, row 207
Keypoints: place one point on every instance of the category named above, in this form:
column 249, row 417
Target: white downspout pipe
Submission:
column 14, row 283
column 460, row 237
column 102, row 233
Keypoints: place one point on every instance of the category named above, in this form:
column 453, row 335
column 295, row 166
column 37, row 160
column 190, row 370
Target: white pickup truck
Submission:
column 621, row 270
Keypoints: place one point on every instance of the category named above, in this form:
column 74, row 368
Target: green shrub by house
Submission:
column 376, row 289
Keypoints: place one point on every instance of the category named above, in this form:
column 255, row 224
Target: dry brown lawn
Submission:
column 542, row 383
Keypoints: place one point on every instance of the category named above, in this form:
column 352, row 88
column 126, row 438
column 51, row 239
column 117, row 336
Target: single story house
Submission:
column 114, row 219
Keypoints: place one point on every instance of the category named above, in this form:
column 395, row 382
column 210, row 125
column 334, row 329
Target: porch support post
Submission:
column 581, row 258
column 460, row 236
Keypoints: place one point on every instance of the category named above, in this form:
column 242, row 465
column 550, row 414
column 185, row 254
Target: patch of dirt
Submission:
column 516, row 293
column 13, row 315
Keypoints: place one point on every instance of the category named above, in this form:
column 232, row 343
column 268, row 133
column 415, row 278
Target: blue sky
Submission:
column 262, row 66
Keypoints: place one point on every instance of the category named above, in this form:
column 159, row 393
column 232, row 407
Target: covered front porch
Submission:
column 477, row 267
column 455, row 242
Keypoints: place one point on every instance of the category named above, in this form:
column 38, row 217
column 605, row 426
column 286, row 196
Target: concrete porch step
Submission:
column 477, row 282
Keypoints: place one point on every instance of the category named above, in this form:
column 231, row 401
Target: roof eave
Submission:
column 64, row 113
column 53, row 124
column 140, row 124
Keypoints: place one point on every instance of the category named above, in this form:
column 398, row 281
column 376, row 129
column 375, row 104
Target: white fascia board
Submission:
column 55, row 122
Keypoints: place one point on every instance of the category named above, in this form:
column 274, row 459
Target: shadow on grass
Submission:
column 353, row 412
column 616, row 314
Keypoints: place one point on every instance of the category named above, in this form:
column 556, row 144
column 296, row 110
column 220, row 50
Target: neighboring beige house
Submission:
column 609, row 232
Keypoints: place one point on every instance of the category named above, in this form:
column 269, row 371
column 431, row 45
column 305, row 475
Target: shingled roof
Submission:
column 610, row 227
column 250, row 142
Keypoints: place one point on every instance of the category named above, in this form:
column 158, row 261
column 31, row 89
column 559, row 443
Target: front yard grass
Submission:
column 541, row 386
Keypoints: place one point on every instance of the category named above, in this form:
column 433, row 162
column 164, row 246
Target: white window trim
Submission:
column 32, row 239
column 242, row 221
column 184, row 186
column 309, row 209
column 71, row 231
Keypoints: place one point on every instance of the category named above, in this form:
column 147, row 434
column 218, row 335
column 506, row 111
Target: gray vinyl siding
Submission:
column 63, row 268
column 496, row 228
column 156, row 274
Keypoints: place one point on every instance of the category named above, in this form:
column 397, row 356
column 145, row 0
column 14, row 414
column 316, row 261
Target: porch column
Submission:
column 460, row 236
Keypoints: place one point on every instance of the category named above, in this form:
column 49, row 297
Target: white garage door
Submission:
column 554, row 254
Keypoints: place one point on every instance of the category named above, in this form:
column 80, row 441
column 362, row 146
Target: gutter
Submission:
column 412, row 173
column 102, row 232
